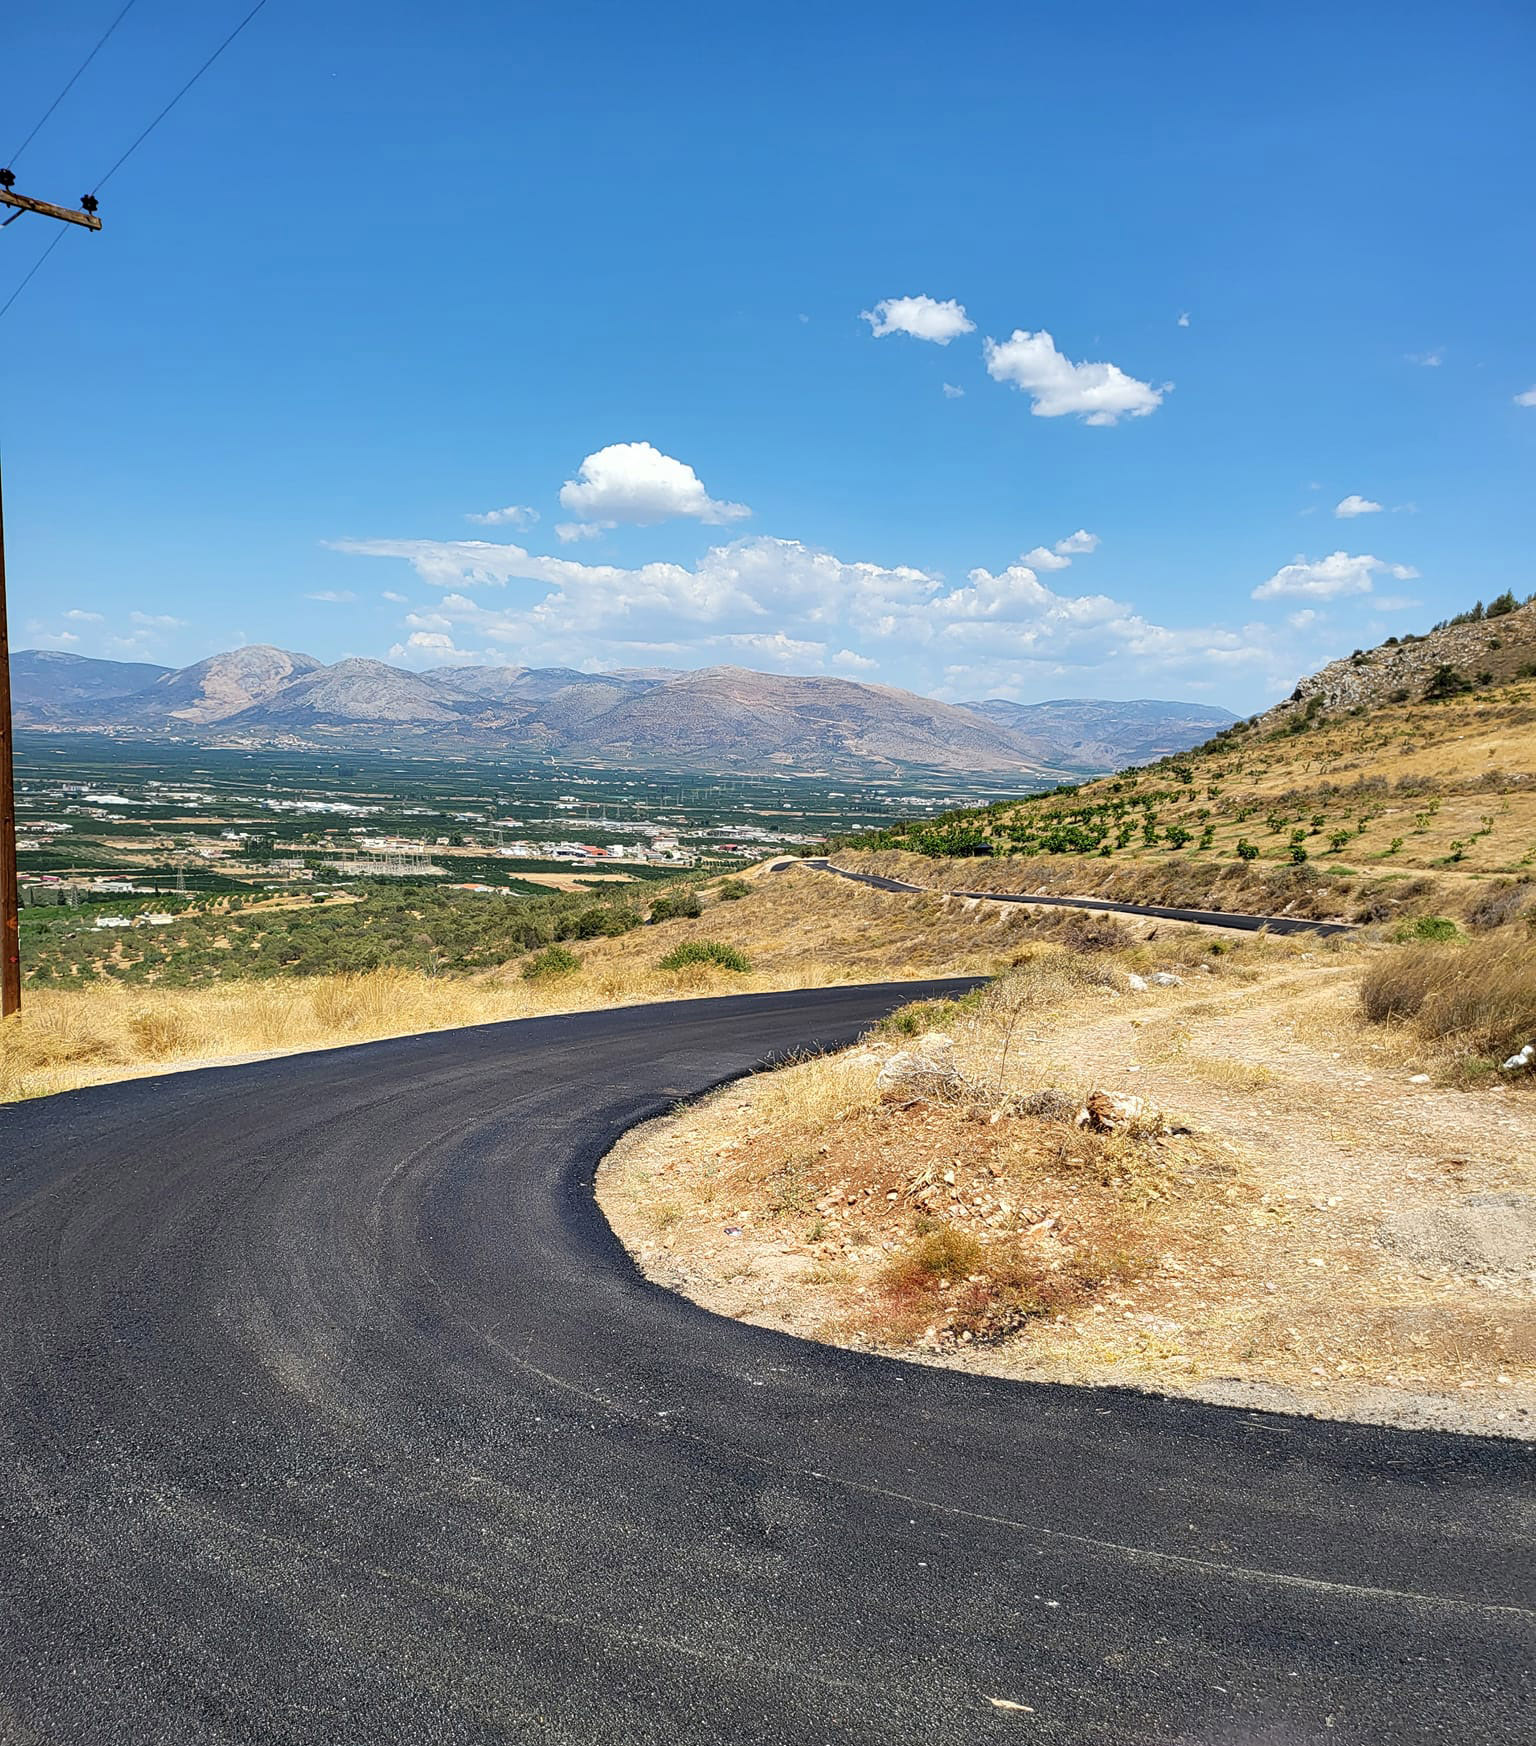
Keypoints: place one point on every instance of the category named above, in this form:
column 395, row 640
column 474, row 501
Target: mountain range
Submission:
column 716, row 718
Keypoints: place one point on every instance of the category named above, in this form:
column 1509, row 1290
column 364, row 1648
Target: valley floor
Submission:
column 1327, row 1237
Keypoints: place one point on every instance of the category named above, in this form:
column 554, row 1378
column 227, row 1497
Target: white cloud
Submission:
column 437, row 648
column 395, row 599
column 1184, row 319
column 923, row 318
column 334, row 596
column 1077, row 543
column 157, row 621
column 80, row 617
column 1098, row 393
column 1060, row 556
column 774, row 646
column 1043, row 558
column 779, row 603
column 514, row 515
column 567, row 531
column 951, row 392
column 637, row 483
column 1528, row 398
column 1300, row 620
column 1354, row 505
column 1428, row 360
column 1329, row 578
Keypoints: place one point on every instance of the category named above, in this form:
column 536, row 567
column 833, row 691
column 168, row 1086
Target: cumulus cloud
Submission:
column 952, row 392
column 1528, row 398
column 1076, row 544
column 637, row 483
column 1043, row 558
column 1354, row 505
column 923, row 318
column 81, row 617
column 1097, row 393
column 1329, row 578
column 397, row 599
column 782, row 604
column 569, row 531
column 514, row 515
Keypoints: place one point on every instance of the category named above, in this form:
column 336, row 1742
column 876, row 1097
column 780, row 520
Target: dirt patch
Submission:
column 1321, row 1237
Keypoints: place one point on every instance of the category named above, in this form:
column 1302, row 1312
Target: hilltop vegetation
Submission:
column 1389, row 779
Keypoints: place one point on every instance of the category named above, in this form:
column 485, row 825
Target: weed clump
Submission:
column 733, row 890
column 705, row 952
column 950, row 1282
column 1426, row 927
column 552, row 962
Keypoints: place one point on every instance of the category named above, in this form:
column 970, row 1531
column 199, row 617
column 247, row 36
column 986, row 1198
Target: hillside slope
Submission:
column 1398, row 772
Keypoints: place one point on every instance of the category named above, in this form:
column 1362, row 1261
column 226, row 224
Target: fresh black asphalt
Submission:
column 1211, row 918
column 331, row 1411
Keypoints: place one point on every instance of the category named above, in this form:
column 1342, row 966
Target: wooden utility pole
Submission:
column 10, row 891
column 10, row 887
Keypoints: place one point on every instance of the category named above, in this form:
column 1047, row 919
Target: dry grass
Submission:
column 1475, row 998
column 67, row 1038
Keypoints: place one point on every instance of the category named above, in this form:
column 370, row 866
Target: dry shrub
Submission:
column 1497, row 905
column 1087, row 930
column 1479, row 998
column 952, row 1282
column 162, row 1033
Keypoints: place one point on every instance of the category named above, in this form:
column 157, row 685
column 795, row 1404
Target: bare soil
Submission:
column 1328, row 1237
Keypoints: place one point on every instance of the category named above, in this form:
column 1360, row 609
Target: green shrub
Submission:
column 1426, row 927
column 676, row 906
column 706, row 952
column 552, row 961
column 733, row 890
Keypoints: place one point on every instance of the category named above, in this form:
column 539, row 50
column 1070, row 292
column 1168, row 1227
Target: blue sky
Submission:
column 674, row 280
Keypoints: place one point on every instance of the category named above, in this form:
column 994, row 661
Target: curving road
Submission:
column 332, row 1411
column 1210, row 918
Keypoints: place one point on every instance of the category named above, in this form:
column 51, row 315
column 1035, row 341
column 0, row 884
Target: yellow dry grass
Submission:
column 67, row 1038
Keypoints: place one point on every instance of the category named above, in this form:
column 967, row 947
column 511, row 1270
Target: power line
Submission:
column 101, row 44
column 178, row 97
column 58, row 237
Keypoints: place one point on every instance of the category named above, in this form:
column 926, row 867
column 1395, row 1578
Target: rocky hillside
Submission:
column 718, row 719
column 1481, row 650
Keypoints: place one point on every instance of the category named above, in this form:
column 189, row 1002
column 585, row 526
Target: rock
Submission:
column 912, row 1074
column 1418, row 1079
column 1486, row 1233
column 1108, row 1112
column 1136, row 984
column 1167, row 979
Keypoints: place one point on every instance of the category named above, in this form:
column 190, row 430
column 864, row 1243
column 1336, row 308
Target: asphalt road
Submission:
column 1211, row 918
column 332, row 1411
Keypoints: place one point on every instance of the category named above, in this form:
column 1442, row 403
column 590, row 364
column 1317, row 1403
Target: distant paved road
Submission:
column 331, row 1411
column 1211, row 918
